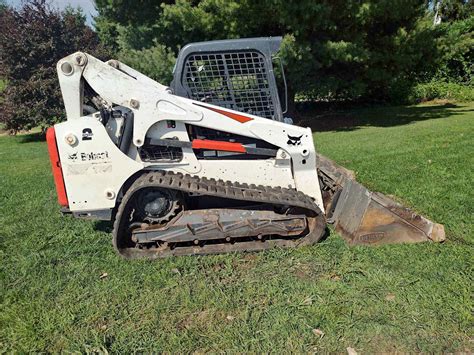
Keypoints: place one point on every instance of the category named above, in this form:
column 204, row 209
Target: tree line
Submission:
column 382, row 51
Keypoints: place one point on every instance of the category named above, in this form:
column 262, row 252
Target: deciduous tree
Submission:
column 32, row 40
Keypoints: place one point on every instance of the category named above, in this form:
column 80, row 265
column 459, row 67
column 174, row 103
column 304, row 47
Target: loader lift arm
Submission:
column 150, row 102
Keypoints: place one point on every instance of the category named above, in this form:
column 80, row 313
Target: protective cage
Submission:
column 235, row 74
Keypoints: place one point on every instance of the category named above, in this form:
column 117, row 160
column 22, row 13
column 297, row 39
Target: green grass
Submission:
column 3, row 85
column 400, row 297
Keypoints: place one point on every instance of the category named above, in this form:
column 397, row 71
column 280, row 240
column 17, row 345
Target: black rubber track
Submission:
column 225, row 189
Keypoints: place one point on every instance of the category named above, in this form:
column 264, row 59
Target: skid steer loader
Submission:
column 207, row 165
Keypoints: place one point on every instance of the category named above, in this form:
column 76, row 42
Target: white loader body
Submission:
column 95, row 169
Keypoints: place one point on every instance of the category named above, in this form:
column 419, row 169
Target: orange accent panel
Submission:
column 234, row 116
column 56, row 167
column 217, row 145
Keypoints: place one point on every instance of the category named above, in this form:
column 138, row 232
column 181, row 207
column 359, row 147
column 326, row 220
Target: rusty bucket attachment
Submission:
column 371, row 218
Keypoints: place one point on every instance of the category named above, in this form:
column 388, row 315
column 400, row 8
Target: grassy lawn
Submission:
column 392, row 298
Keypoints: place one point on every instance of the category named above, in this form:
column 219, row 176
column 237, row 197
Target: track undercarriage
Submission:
column 164, row 214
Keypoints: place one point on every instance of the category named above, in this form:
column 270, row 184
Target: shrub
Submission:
column 441, row 90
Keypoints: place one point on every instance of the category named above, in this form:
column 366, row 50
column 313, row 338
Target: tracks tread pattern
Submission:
column 224, row 189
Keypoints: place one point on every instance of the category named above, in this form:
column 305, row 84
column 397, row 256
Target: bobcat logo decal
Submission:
column 72, row 157
column 294, row 140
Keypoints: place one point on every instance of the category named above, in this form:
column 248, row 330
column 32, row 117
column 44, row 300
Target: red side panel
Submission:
column 217, row 145
column 56, row 166
column 234, row 116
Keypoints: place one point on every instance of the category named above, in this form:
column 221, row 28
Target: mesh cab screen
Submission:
column 158, row 153
column 234, row 80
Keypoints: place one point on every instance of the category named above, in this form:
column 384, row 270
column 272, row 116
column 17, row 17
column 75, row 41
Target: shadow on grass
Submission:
column 31, row 137
column 323, row 118
column 104, row 226
column 327, row 233
column 349, row 120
